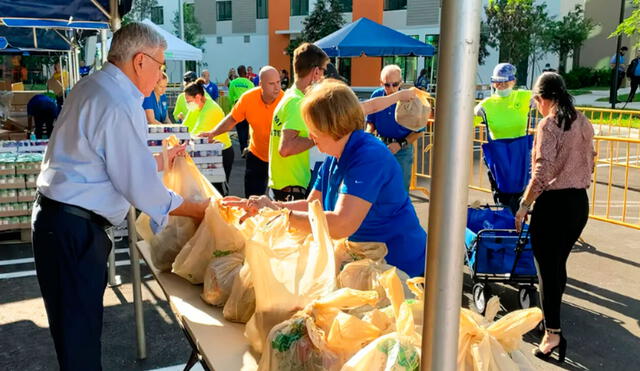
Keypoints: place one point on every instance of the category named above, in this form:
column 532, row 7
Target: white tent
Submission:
column 177, row 50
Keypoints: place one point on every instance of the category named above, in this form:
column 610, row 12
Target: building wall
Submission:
column 365, row 71
column 598, row 50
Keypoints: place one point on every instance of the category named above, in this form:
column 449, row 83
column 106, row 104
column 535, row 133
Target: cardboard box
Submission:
column 21, row 98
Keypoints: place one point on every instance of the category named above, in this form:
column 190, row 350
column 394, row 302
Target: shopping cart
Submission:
column 496, row 252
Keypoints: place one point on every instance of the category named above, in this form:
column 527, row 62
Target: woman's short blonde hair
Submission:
column 333, row 108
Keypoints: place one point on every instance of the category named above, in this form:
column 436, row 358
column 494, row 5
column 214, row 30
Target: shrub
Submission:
column 583, row 77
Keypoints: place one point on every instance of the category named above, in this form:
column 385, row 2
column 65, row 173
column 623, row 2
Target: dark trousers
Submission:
column 558, row 218
column 635, row 81
column 242, row 128
column 616, row 82
column 256, row 176
column 71, row 263
column 227, row 164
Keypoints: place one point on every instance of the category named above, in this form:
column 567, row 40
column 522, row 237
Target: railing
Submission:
column 615, row 190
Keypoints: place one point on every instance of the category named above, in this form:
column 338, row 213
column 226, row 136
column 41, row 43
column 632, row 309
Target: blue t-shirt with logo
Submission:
column 385, row 120
column 367, row 169
column 159, row 107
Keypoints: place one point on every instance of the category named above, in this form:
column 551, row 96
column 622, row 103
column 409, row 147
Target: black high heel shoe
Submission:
column 561, row 347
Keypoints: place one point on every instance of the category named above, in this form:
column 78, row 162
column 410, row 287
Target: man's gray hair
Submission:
column 389, row 69
column 132, row 39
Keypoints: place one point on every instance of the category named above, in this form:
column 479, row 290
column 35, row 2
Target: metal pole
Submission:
column 614, row 83
column 452, row 160
column 137, row 284
column 183, row 67
column 114, row 280
column 103, row 47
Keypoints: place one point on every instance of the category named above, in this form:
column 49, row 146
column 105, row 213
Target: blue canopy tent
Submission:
column 32, row 40
column 366, row 37
column 75, row 14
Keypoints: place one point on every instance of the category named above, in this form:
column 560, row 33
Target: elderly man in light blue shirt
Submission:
column 96, row 166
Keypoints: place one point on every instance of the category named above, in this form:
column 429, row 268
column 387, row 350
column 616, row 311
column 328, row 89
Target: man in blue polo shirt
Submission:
column 398, row 139
column 209, row 86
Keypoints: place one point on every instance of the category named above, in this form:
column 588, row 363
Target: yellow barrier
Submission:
column 615, row 190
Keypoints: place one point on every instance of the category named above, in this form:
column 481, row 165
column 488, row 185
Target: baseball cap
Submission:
column 503, row 72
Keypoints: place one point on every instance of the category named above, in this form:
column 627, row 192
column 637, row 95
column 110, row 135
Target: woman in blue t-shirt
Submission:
column 155, row 105
column 360, row 184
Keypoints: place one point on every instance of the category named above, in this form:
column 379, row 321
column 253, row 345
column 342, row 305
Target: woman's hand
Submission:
column 521, row 217
column 210, row 137
column 251, row 206
column 175, row 151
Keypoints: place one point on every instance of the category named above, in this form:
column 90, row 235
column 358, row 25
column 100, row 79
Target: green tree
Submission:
column 510, row 24
column 140, row 10
column 567, row 36
column 631, row 25
column 323, row 20
column 192, row 29
column 484, row 40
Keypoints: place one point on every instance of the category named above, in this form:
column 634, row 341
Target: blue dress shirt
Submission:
column 367, row 169
column 98, row 157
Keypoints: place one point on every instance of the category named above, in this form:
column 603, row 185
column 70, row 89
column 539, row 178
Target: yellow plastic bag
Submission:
column 213, row 237
column 484, row 346
column 242, row 301
column 185, row 179
column 365, row 275
column 293, row 269
column 398, row 350
column 416, row 285
column 415, row 113
column 322, row 336
column 219, row 277
column 348, row 251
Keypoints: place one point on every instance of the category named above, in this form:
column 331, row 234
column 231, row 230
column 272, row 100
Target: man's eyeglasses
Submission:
column 162, row 66
column 390, row 84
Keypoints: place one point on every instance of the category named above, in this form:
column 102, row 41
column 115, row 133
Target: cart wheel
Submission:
column 481, row 295
column 527, row 297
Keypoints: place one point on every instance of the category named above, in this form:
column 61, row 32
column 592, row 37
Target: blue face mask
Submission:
column 504, row 92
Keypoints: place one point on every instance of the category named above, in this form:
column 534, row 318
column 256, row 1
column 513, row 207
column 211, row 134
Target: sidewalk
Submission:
column 591, row 99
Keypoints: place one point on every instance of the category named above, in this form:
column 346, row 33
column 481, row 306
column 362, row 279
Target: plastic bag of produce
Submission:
column 398, row 350
column 242, row 302
column 415, row 113
column 416, row 285
column 322, row 336
column 487, row 345
column 214, row 237
column 221, row 272
column 348, row 251
column 185, row 179
column 365, row 275
column 293, row 269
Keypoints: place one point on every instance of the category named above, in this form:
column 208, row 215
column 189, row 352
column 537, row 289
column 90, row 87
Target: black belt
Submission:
column 73, row 210
column 294, row 189
column 401, row 141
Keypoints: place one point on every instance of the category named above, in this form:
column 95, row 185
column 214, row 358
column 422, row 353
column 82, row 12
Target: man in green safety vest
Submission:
column 506, row 114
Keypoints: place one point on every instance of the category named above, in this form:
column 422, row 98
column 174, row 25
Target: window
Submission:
column 409, row 66
column 247, row 39
column 395, row 4
column 157, row 15
column 224, row 10
column 262, row 9
column 299, row 7
column 346, row 6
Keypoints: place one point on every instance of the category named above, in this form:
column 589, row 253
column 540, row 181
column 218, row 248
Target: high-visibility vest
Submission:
column 507, row 117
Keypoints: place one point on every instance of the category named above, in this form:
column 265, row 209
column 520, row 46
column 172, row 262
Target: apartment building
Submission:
column 256, row 32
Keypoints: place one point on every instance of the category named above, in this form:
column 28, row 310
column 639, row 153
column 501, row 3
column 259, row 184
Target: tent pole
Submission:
column 452, row 162
column 338, row 64
column 103, row 47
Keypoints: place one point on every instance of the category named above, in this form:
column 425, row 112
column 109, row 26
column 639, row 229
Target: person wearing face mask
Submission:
column 203, row 115
column 506, row 114
column 359, row 185
column 289, row 143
